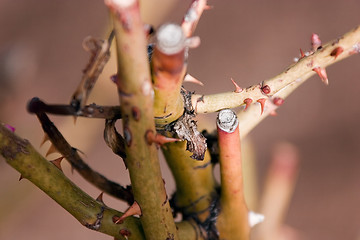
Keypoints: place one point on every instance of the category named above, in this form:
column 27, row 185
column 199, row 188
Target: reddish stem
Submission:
column 233, row 206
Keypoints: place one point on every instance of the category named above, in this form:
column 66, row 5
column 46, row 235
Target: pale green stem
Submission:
column 91, row 213
column 136, row 98
column 298, row 72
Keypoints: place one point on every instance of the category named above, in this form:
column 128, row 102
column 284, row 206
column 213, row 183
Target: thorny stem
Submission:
column 298, row 72
column 232, row 221
column 254, row 114
column 32, row 166
column 196, row 194
column 135, row 93
column 71, row 154
column 91, row 213
column 195, row 183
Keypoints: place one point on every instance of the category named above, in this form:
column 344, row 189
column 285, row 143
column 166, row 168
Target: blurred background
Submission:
column 41, row 55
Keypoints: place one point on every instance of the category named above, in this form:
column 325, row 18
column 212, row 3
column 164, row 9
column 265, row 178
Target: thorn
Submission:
column 336, row 52
column 237, row 88
column 315, row 42
column 248, row 102
column 78, row 150
column 255, row 218
column 189, row 78
column 322, row 74
column 114, row 78
column 100, row 198
column 158, row 138
column 134, row 209
column 262, row 103
column 278, row 101
column 266, row 89
column 57, row 163
column 21, row 177
column 208, row 7
column 302, row 54
column 45, row 139
column 125, row 233
column 51, row 150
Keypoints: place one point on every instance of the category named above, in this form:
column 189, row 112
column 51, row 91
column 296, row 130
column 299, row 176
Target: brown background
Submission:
column 41, row 55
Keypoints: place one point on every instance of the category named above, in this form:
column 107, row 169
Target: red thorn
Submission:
column 248, row 102
column 237, row 88
column 21, row 177
column 266, row 89
column 302, row 54
column 115, row 219
column 134, row 209
column 100, row 198
column 125, row 233
column 315, row 42
column 336, row 52
column 135, row 111
column 262, row 103
column 322, row 74
column 57, row 163
column 191, row 79
column 158, row 138
column 278, row 101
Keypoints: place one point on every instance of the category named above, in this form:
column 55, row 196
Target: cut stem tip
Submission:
column 227, row 120
column 170, row 39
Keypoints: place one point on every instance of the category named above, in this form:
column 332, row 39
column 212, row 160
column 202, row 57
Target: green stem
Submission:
column 298, row 72
column 93, row 214
column 22, row 156
column 71, row 154
column 136, row 98
column 168, row 70
column 195, row 183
